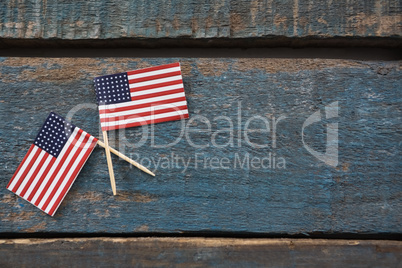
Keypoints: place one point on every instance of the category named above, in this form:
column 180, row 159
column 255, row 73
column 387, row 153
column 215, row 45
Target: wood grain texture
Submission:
column 198, row 252
column 183, row 19
column 362, row 195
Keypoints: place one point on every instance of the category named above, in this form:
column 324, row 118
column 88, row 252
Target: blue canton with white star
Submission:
column 54, row 134
column 112, row 89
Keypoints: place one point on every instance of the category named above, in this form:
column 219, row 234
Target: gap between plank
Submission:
column 383, row 54
column 317, row 235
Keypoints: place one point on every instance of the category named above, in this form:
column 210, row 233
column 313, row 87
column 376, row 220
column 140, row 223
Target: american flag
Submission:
column 141, row 97
column 52, row 164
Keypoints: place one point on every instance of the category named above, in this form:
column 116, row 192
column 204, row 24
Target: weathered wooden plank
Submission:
column 198, row 252
column 361, row 195
column 198, row 20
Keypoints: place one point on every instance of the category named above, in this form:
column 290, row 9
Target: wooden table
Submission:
column 215, row 201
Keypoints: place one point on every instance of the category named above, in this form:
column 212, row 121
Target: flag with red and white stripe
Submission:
column 141, row 97
column 52, row 164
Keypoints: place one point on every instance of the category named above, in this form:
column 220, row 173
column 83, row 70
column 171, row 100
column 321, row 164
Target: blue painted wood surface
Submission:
column 274, row 19
column 360, row 195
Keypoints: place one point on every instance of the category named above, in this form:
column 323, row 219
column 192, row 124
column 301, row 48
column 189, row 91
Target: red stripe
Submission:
column 148, row 113
column 28, row 168
column 147, row 122
column 156, row 68
column 154, row 77
column 157, row 94
column 143, row 105
column 73, row 177
column 164, row 84
column 38, row 184
column 32, row 178
column 70, row 147
column 22, row 163
column 66, row 170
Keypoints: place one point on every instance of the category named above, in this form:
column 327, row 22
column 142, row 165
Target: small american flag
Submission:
column 52, row 164
column 141, row 97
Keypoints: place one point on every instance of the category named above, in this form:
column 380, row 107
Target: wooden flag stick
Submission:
column 109, row 162
column 131, row 161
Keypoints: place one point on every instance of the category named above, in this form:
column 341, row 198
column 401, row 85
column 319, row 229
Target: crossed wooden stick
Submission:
column 122, row 156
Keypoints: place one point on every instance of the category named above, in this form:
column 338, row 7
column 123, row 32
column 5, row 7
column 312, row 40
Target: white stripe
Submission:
column 70, row 172
column 130, row 103
column 143, row 110
column 144, row 118
column 83, row 164
column 156, row 90
column 22, row 169
column 44, row 166
column 151, row 73
column 156, row 81
column 55, row 164
column 31, row 171
column 60, row 172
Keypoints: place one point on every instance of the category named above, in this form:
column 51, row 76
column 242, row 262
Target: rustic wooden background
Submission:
column 178, row 22
column 198, row 252
column 360, row 197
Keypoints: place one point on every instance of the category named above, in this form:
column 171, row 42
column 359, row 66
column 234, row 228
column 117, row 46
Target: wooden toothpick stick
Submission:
column 131, row 161
column 109, row 162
